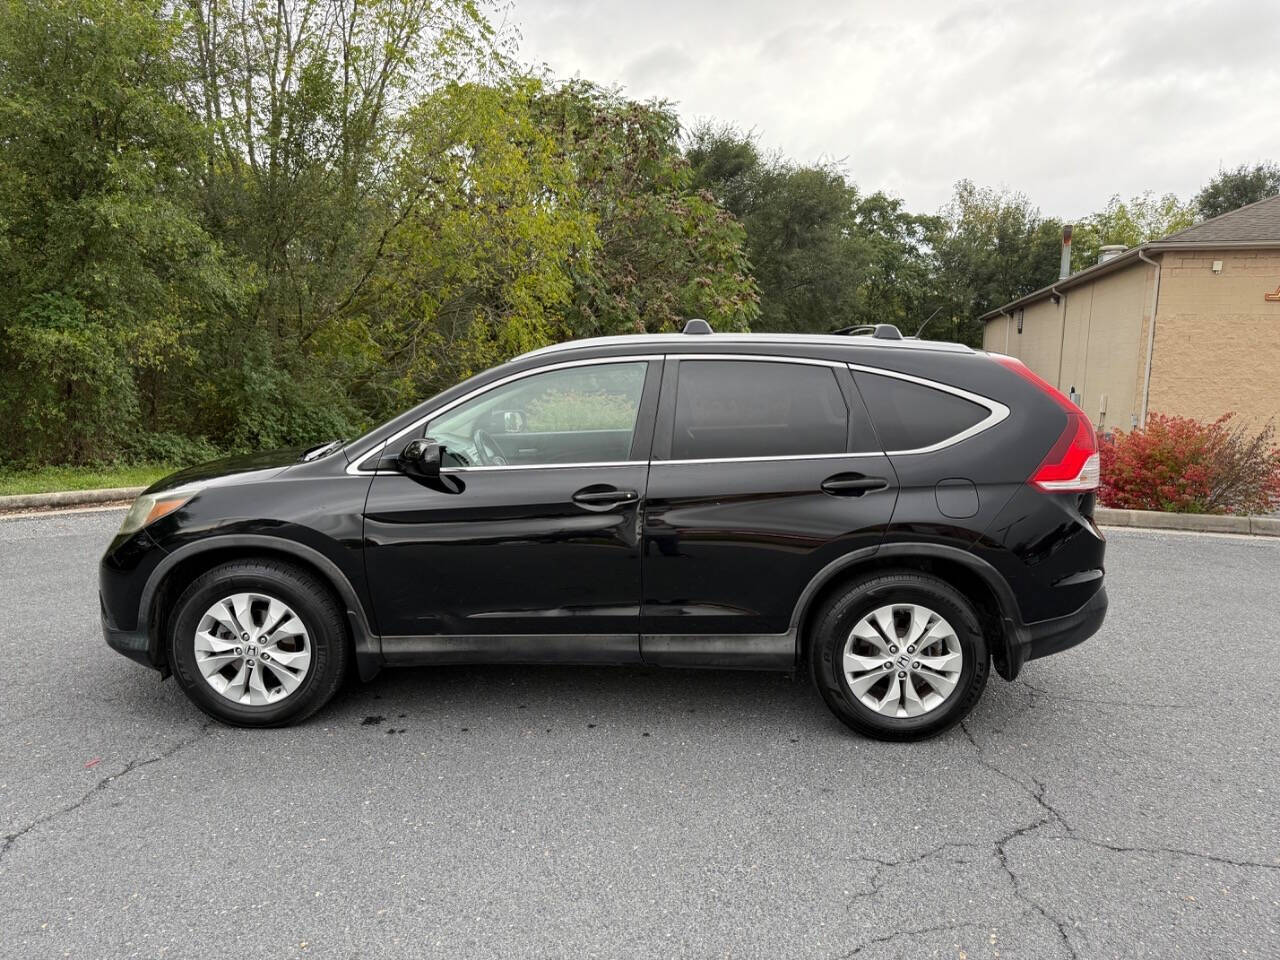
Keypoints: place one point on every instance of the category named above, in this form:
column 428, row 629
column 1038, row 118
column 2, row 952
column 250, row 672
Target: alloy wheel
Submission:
column 902, row 660
column 252, row 649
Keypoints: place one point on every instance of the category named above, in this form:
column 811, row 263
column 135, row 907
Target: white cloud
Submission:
column 1069, row 103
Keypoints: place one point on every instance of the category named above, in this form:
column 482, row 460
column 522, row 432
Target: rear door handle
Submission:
column 852, row 484
column 600, row 496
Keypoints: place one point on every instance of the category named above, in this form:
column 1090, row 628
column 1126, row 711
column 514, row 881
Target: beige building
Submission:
column 1186, row 325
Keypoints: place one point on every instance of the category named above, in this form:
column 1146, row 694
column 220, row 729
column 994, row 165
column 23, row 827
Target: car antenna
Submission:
column 916, row 335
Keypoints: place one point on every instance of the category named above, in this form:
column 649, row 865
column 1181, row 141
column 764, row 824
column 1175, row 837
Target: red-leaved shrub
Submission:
column 1182, row 465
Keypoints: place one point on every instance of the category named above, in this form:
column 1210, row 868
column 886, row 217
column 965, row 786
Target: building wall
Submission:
column 1092, row 341
column 1102, row 347
column 995, row 335
column 1217, row 343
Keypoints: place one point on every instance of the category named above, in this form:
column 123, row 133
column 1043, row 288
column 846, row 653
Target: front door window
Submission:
column 584, row 414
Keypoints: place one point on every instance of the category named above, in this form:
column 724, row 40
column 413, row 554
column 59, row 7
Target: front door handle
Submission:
column 852, row 484
column 601, row 496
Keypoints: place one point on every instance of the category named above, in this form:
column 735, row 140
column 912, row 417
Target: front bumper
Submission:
column 1045, row 637
column 134, row 644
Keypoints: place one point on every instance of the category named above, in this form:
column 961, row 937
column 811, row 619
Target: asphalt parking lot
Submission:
column 1119, row 800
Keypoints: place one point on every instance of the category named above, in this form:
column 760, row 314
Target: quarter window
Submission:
column 581, row 414
column 745, row 408
column 911, row 416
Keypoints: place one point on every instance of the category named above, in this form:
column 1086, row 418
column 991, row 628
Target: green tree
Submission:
column 823, row 255
column 305, row 101
column 1145, row 217
column 478, row 267
column 664, row 250
column 1231, row 189
column 899, row 285
column 108, row 272
column 992, row 246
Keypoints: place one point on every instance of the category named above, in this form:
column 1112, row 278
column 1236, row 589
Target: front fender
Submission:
column 367, row 643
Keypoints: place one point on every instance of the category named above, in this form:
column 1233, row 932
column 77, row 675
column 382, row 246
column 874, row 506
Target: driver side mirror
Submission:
column 421, row 458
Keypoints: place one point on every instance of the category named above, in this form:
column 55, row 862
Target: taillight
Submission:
column 1072, row 465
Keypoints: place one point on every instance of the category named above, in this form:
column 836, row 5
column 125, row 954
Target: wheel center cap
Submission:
column 251, row 650
column 904, row 661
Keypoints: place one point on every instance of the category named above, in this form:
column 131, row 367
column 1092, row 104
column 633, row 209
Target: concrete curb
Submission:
column 1196, row 522
column 67, row 498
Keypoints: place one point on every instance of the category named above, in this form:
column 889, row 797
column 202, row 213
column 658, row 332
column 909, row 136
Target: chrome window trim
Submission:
column 996, row 412
column 353, row 468
column 785, row 456
column 544, row 466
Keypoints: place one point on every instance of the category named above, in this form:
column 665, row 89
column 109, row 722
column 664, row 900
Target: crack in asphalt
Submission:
column 1170, row 851
column 1037, row 794
column 12, row 838
column 1050, row 815
column 1015, row 882
column 1051, row 695
column 883, row 866
column 887, row 938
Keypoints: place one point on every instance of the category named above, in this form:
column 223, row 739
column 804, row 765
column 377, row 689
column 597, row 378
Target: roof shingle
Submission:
column 1257, row 221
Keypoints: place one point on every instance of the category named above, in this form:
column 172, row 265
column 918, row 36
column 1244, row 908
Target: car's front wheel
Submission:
column 899, row 655
column 258, row 643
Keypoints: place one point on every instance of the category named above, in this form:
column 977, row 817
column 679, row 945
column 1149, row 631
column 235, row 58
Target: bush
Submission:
column 167, row 447
column 66, row 392
column 1181, row 465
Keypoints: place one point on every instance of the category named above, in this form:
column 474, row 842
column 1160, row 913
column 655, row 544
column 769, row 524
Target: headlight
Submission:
column 150, row 507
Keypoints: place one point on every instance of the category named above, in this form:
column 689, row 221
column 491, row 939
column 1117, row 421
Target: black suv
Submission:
column 891, row 515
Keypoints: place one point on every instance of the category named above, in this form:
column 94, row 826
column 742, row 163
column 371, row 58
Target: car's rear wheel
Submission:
column 899, row 655
column 258, row 643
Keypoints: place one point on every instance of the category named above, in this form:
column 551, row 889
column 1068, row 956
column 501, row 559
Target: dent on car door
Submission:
column 521, row 549
column 764, row 472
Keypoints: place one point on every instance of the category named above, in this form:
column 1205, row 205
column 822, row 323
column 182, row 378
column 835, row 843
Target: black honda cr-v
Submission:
column 890, row 515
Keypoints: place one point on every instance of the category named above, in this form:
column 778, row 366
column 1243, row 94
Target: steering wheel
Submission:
column 487, row 451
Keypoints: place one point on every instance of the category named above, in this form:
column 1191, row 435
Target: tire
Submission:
column 868, row 596
column 317, row 657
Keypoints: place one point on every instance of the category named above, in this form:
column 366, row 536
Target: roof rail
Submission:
column 881, row 331
column 697, row 327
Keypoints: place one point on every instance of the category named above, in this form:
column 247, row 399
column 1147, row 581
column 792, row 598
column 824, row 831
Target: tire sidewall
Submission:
column 841, row 616
column 216, row 585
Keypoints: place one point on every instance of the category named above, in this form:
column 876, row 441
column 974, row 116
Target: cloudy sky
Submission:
column 1068, row 102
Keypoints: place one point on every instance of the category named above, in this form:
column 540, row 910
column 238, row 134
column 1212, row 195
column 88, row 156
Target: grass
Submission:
column 49, row 479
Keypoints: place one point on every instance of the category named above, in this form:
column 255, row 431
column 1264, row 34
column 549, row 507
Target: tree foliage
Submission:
column 230, row 224
column 823, row 255
column 233, row 224
column 1143, row 218
column 667, row 251
column 1231, row 189
column 109, row 275
column 992, row 246
column 479, row 265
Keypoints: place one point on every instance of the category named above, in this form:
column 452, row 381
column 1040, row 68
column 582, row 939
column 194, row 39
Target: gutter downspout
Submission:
column 1062, row 340
column 1151, row 335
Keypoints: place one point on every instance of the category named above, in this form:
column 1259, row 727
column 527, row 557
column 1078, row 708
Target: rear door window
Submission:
column 912, row 416
column 757, row 408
